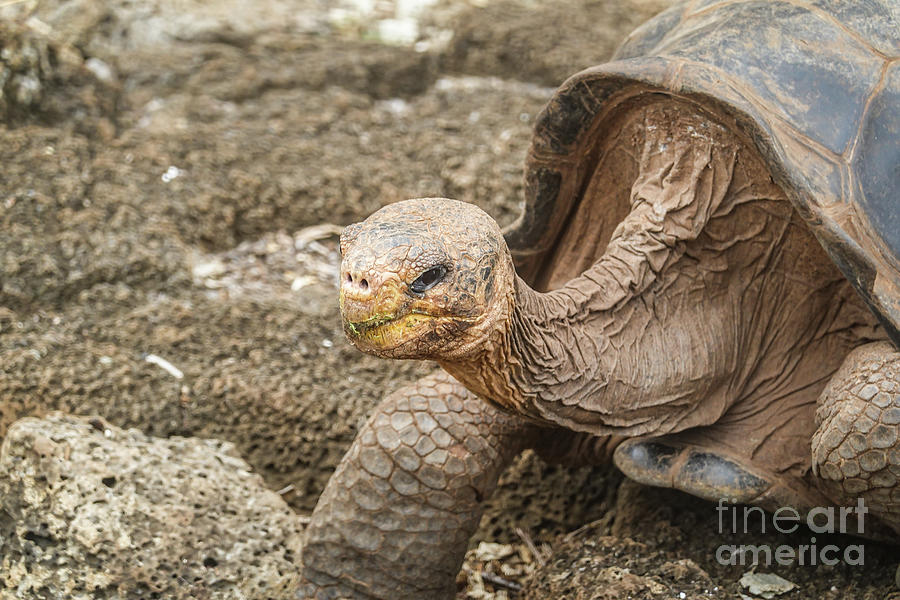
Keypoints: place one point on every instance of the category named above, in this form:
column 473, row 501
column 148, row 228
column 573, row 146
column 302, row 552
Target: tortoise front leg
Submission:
column 856, row 448
column 395, row 518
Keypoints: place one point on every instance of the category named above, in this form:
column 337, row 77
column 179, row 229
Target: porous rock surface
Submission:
column 91, row 511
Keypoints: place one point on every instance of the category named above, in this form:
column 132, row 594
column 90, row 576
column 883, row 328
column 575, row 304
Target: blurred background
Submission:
column 173, row 176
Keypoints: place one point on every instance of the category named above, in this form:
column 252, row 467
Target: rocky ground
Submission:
column 173, row 177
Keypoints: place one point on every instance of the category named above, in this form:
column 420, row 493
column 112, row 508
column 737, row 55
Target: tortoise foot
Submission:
column 395, row 518
column 856, row 448
column 703, row 472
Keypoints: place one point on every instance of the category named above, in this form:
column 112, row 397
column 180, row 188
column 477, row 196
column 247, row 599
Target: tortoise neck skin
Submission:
column 530, row 352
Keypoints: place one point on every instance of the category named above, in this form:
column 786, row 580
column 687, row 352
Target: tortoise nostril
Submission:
column 354, row 280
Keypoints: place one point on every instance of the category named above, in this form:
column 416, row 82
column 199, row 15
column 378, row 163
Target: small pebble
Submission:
column 172, row 173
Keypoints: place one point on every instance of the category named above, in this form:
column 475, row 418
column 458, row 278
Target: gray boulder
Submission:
column 91, row 511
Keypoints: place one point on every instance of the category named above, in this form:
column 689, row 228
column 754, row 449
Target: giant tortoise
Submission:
column 704, row 287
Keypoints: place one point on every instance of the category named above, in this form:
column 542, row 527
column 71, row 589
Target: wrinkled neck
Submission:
column 564, row 358
column 537, row 347
column 559, row 359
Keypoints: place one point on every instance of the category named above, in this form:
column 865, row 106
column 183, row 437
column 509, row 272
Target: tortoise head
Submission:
column 428, row 278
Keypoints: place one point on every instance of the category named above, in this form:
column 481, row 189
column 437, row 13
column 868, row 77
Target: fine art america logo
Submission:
column 734, row 519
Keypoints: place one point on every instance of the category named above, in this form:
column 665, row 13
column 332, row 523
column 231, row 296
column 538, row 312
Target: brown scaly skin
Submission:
column 855, row 448
column 711, row 321
column 396, row 516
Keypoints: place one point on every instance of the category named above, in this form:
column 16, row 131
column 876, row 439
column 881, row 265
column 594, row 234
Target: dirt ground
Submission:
column 173, row 176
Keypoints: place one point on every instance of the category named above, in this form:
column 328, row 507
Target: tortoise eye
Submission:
column 428, row 279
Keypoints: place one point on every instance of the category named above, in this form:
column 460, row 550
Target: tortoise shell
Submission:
column 815, row 85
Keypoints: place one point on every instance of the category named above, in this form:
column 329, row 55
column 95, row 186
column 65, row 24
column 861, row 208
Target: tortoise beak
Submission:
column 370, row 300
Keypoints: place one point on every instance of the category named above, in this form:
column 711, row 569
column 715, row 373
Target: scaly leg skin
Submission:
column 856, row 451
column 395, row 518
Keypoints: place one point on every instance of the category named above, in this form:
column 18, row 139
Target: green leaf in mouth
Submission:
column 370, row 323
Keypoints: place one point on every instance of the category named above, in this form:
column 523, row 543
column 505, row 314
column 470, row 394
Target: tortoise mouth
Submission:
column 391, row 324
column 385, row 321
column 382, row 333
column 370, row 324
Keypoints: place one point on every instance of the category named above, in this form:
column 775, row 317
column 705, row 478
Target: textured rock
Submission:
column 88, row 510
